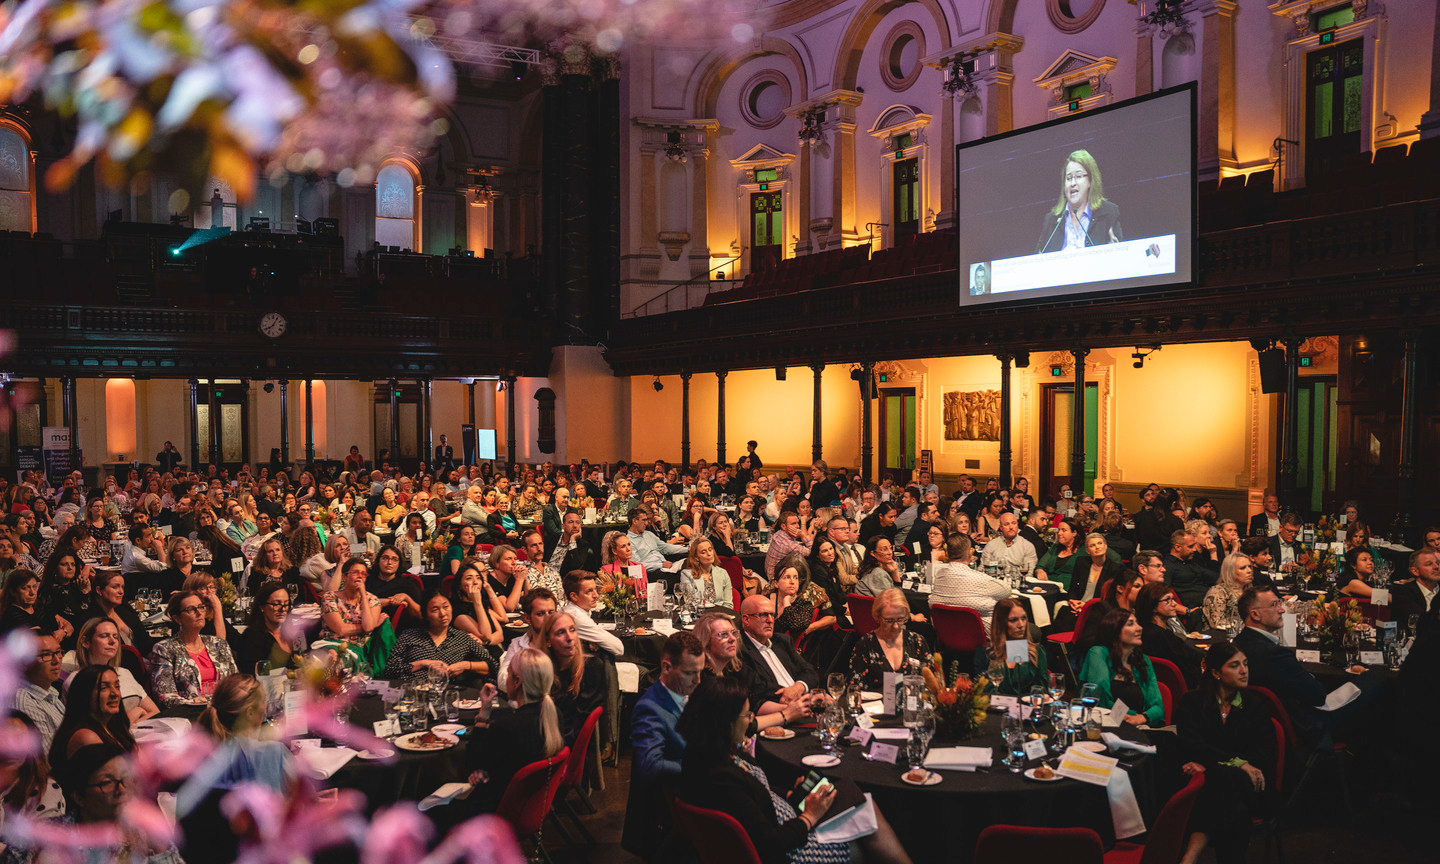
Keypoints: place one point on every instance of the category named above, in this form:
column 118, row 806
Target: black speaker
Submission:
column 1272, row 371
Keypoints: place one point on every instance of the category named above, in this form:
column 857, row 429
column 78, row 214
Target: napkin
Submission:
column 1115, row 742
column 160, row 728
column 416, row 570
column 859, row 822
column 629, row 675
column 959, row 758
column 1340, row 697
column 1099, row 770
column 323, row 762
column 445, row 794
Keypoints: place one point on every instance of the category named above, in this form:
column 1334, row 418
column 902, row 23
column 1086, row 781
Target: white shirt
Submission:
column 1018, row 552
column 781, row 675
column 518, row 644
column 136, row 560
column 1273, row 637
column 963, row 586
column 589, row 631
column 1287, row 553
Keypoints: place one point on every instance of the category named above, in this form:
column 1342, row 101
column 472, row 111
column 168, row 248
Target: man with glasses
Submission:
column 38, row 698
column 779, row 672
column 536, row 606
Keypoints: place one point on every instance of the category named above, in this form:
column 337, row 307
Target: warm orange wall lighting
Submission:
column 317, row 401
column 120, row 418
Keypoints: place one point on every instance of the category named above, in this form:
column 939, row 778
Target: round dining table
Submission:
column 941, row 822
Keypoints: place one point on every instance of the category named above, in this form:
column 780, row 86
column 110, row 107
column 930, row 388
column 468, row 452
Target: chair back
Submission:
column 1277, row 780
column 530, row 793
column 718, row 837
column 396, row 615
column 1165, row 699
column 1006, row 844
column 958, row 628
column 1168, row 673
column 1083, row 618
column 575, row 767
column 862, row 612
column 1277, row 710
column 1167, row 837
column 734, row 567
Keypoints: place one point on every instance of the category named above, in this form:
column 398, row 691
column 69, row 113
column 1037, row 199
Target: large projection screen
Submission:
column 1035, row 223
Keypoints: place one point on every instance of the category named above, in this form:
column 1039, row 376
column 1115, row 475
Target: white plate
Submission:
column 411, row 742
column 447, row 728
column 1092, row 746
column 773, row 735
column 931, row 778
column 1030, row 772
column 375, row 754
column 821, row 760
column 870, row 696
column 468, row 704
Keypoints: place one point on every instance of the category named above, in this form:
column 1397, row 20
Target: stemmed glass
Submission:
column 996, row 673
column 1057, row 685
column 832, row 720
column 835, row 684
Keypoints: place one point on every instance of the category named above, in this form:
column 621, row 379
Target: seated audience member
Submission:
column 1127, row 588
column 1189, row 581
column 779, row 673
column 715, row 775
column 1257, row 549
column 645, row 546
column 790, row 536
column 507, row 739
column 473, row 604
column 97, row 785
column 704, row 580
column 1009, row 620
column 263, row 640
column 1285, row 546
column 571, row 552
column 1155, row 610
column 464, row 545
column 38, row 697
column 99, row 644
column 802, row 607
column 957, row 583
column 235, row 718
column 616, row 559
column 580, row 681
column 1275, row 668
column 1266, row 523
column 181, row 552
column 203, row 585
column 507, row 577
column 438, row 647
column 1008, row 548
column 146, row 553
column 20, row 606
column 1225, row 733
column 1092, row 571
column 1357, row 573
column 1418, row 595
column 1221, row 603
column 94, row 714
column 108, row 601
column 350, row 613
column 1058, row 564
column 65, row 588
column 582, row 597
column 656, row 746
column 535, row 606
column 1121, row 671
column 188, row 665
column 721, row 639
column 880, row 571
column 890, row 647
column 27, row 787
column 880, row 523
column 395, row 589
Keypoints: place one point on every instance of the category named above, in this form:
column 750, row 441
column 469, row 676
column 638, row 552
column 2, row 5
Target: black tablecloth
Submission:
column 942, row 822
column 410, row 776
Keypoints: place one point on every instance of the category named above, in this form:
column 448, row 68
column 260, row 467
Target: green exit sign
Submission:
column 1056, row 372
column 884, row 377
column 1327, row 38
column 1075, row 105
column 1307, row 361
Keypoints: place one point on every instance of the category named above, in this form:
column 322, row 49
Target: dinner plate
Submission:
column 1030, row 773
column 776, row 733
column 468, row 704
column 931, row 778
column 447, row 728
column 375, row 754
column 870, row 696
column 412, row 742
column 821, row 760
column 1092, row 746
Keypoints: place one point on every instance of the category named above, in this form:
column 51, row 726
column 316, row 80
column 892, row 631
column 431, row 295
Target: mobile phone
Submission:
column 823, row 784
column 807, row 785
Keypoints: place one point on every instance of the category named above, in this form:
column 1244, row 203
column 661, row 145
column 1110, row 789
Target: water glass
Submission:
column 996, row 673
column 1037, row 702
column 916, row 747
column 452, row 705
column 1014, row 735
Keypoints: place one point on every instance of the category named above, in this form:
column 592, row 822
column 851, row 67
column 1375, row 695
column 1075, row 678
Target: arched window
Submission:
column 17, row 191
column 395, row 207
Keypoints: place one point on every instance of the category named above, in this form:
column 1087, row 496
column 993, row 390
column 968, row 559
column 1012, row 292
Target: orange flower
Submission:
column 947, row 697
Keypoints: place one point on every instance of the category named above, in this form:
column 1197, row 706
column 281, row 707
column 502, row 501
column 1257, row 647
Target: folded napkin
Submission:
column 629, row 675
column 1115, row 743
column 156, row 618
column 859, row 822
column 959, row 758
column 1099, row 770
column 322, row 762
column 416, row 570
column 158, row 728
column 445, row 794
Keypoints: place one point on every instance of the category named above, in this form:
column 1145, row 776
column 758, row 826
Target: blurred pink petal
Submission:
column 485, row 839
column 397, row 833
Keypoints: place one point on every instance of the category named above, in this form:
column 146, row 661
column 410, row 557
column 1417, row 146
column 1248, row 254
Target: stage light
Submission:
column 657, row 385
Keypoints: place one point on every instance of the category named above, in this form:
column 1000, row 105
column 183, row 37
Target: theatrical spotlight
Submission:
column 1141, row 353
column 657, row 385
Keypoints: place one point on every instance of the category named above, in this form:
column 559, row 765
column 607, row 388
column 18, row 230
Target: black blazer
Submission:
column 1275, row 668
column 1103, row 220
column 1207, row 739
column 1153, row 528
column 1406, row 600
column 1080, row 576
column 728, row 788
column 1163, row 643
column 512, row 740
column 1259, row 525
column 764, row 676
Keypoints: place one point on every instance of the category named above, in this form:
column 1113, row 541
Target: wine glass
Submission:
column 834, row 721
column 835, row 684
column 1057, row 685
column 996, row 673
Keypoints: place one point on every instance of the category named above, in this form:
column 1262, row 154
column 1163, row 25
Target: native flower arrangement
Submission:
column 1332, row 620
column 960, row 706
column 621, row 596
column 225, row 590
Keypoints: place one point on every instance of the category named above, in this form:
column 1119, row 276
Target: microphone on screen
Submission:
column 1058, row 220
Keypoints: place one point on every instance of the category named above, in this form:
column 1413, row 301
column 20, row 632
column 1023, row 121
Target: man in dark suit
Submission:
column 553, row 518
column 779, row 673
column 444, row 455
column 657, row 747
column 1285, row 546
column 570, row 551
column 1267, row 522
column 1416, row 597
column 1155, row 523
column 968, row 498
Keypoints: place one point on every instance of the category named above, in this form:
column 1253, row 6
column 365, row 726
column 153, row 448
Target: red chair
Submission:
column 718, row 837
column 1166, row 839
column 862, row 614
column 1165, row 700
column 446, row 583
column 575, row 776
column 1168, row 673
column 1065, row 640
column 804, row 637
column 1336, row 752
column 958, row 629
column 1270, row 823
column 530, row 793
column 735, row 569
column 395, row 617
column 1006, row 844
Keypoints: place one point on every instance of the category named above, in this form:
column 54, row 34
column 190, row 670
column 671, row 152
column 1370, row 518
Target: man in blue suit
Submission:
column 657, row 747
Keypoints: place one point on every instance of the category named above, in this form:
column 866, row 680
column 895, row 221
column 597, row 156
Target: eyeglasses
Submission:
column 1076, row 178
column 895, row 621
column 192, row 610
column 47, row 656
column 277, row 604
column 726, row 635
column 109, row 784
column 761, row 615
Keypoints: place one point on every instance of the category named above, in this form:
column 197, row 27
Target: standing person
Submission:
column 168, row 459
column 1225, row 734
column 1083, row 216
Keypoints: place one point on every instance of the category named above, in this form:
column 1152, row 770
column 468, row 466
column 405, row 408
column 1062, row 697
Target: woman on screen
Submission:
column 1082, row 217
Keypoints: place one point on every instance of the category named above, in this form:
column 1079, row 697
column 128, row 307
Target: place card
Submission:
column 1287, row 629
column 1035, row 749
column 295, row 721
column 860, row 734
column 915, row 547
column 1118, row 712
column 1340, row 537
column 1305, row 656
column 589, row 514
column 1379, row 596
column 887, row 691
column 1004, row 703
column 655, row 597
column 884, row 752
column 166, row 530
column 636, row 573
column 1322, row 547
column 1017, row 651
column 237, row 565
column 865, row 720
column 1372, row 658
column 386, row 728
